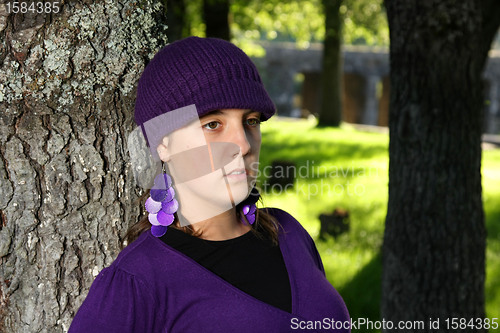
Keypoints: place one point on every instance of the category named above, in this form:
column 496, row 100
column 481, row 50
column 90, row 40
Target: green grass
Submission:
column 346, row 168
column 491, row 201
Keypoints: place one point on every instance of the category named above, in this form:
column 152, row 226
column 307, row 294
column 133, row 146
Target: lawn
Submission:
column 347, row 168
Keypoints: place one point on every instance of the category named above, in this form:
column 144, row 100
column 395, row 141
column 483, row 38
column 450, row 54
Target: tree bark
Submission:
column 434, row 242
column 67, row 194
column 331, row 92
column 216, row 18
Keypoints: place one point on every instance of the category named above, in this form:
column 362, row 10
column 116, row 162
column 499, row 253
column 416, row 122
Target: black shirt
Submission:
column 249, row 263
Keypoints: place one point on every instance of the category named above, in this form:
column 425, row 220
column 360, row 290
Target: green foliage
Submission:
column 347, row 159
column 365, row 22
column 196, row 26
column 303, row 21
column 299, row 21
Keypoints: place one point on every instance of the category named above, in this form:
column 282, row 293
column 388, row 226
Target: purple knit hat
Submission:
column 208, row 72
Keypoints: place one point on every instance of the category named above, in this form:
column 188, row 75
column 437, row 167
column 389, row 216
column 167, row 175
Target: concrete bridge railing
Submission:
column 292, row 78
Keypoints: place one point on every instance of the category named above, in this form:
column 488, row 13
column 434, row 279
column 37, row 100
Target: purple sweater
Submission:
column 151, row 287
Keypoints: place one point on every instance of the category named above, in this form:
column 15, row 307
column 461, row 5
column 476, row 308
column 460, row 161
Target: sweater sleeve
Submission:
column 314, row 250
column 117, row 302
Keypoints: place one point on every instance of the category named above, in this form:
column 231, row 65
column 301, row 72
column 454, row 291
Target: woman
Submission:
column 206, row 259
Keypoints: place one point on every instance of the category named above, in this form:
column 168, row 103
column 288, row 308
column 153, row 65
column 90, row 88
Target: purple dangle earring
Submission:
column 249, row 208
column 161, row 205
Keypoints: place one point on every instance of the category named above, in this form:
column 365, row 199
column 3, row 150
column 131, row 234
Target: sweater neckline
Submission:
column 218, row 243
column 286, row 258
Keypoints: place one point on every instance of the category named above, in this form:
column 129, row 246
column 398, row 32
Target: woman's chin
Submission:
column 240, row 192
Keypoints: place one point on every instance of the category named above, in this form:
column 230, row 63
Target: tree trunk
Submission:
column 67, row 194
column 216, row 18
column 331, row 92
column 434, row 242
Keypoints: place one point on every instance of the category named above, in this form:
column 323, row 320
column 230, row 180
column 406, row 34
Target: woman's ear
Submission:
column 162, row 150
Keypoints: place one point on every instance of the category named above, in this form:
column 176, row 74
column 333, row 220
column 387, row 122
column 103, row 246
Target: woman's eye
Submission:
column 253, row 121
column 211, row 125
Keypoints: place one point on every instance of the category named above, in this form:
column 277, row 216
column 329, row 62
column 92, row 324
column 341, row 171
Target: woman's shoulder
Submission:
column 286, row 221
column 134, row 253
column 143, row 257
column 279, row 214
column 123, row 296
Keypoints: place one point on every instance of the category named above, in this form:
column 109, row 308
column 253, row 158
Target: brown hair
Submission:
column 265, row 226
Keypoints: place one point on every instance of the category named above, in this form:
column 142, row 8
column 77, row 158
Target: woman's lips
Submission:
column 237, row 174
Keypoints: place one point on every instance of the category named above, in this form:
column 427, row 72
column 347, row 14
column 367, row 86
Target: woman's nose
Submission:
column 240, row 138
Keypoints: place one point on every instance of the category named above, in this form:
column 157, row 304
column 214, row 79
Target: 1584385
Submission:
column 34, row 7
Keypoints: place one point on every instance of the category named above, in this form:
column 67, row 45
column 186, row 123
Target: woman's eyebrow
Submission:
column 251, row 111
column 216, row 112
column 219, row 112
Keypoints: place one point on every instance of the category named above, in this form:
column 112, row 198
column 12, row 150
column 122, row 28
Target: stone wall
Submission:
column 289, row 73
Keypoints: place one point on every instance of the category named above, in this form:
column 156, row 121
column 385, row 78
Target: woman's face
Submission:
column 215, row 159
column 241, row 128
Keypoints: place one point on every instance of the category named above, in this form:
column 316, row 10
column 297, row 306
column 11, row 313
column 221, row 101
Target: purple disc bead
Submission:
column 165, row 219
column 170, row 194
column 158, row 194
column 163, row 181
column 152, row 206
column 252, row 210
column 246, row 209
column 153, row 219
column 158, row 231
column 251, row 218
column 169, row 207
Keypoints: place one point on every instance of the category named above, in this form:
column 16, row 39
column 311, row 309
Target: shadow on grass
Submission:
column 492, row 294
column 362, row 294
column 361, row 236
